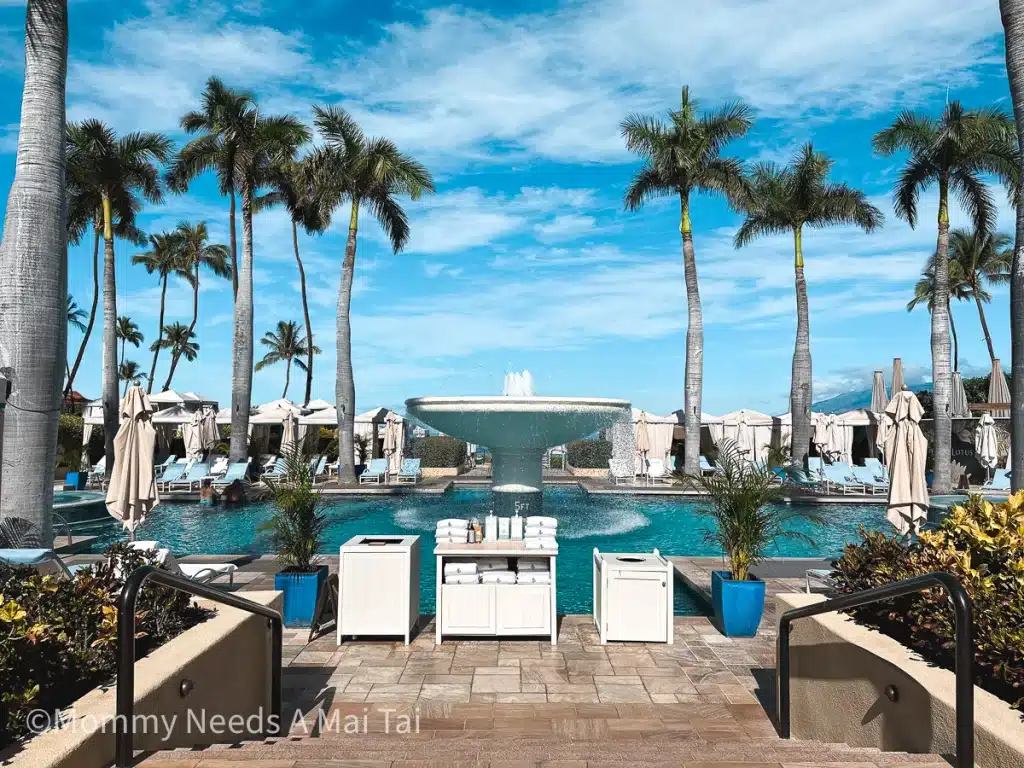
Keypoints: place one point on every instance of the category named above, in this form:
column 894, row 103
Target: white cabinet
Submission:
column 633, row 597
column 523, row 609
column 379, row 586
column 467, row 609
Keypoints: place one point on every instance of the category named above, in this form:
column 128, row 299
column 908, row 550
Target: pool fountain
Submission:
column 518, row 427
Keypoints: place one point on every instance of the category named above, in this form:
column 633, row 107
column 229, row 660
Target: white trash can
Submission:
column 633, row 598
column 379, row 586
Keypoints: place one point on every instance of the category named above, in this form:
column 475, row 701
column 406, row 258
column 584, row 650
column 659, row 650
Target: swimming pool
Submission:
column 611, row 523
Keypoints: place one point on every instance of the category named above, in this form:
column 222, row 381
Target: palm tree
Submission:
column 785, row 200
column 163, row 258
column 220, row 122
column 982, row 258
column 288, row 345
column 33, row 281
column 75, row 314
column 681, row 158
column 196, row 252
column 128, row 332
column 293, row 187
column 365, row 172
column 954, row 151
column 118, row 168
column 177, row 337
column 129, row 372
column 924, row 293
column 1013, row 24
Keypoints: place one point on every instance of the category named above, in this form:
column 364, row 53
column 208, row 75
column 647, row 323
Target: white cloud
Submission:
column 564, row 227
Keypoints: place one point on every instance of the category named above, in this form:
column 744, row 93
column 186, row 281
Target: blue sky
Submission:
column 525, row 258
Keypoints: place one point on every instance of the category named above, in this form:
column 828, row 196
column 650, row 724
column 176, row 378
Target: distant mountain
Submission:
column 849, row 401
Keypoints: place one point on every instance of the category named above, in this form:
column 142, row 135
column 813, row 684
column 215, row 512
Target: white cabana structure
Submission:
column 318, row 405
column 660, row 430
column 750, row 431
column 372, row 425
column 264, row 418
column 171, row 412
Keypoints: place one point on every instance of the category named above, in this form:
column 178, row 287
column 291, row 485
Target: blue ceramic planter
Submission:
column 300, row 593
column 76, row 480
column 738, row 605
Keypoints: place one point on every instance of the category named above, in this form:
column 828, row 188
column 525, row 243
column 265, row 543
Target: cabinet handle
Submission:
column 663, row 583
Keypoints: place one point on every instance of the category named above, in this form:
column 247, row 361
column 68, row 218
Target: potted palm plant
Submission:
column 741, row 500
column 296, row 530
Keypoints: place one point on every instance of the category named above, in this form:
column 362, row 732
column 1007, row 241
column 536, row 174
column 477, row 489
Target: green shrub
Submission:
column 589, row 454
column 298, row 524
column 555, row 461
column 60, row 634
column 980, row 543
column 439, row 451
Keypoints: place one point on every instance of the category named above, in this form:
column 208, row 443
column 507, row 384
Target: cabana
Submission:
column 750, row 431
column 171, row 411
column 188, row 400
column 264, row 419
column 372, row 425
column 660, row 431
column 711, row 430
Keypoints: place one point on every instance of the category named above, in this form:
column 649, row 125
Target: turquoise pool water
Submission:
column 611, row 523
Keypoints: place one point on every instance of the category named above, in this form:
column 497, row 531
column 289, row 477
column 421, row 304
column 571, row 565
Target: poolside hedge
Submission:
column 589, row 454
column 980, row 543
column 435, row 452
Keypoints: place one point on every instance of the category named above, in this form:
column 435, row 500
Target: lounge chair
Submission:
column 198, row 572
column 166, row 462
column 866, row 476
column 97, row 475
column 842, row 480
column 43, row 560
column 618, row 475
column 656, row 472
column 410, row 471
column 816, row 466
column 705, row 466
column 318, row 467
column 170, row 474
column 276, row 473
column 193, row 478
column 376, row 472
column 1000, row 481
column 822, row 578
column 268, row 462
column 235, row 471
column 877, row 469
column 220, row 466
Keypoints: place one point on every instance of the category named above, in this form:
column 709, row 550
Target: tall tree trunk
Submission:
column 175, row 357
column 941, row 373
column 984, row 329
column 241, row 360
column 305, row 314
column 110, row 395
column 287, row 378
column 33, row 276
column 1013, row 24
column 800, row 387
column 345, row 388
column 956, row 342
column 195, row 303
column 123, row 342
column 92, row 312
column 694, row 376
column 159, row 336
column 234, row 247
column 126, row 383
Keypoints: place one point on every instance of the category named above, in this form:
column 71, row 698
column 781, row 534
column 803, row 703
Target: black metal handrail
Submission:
column 964, row 669
column 123, row 722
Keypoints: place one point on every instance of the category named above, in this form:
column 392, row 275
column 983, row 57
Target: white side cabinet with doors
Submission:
column 633, row 598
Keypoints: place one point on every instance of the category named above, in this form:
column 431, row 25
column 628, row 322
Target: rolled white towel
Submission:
column 498, row 577
column 533, row 577
column 451, row 540
column 526, row 565
column 462, row 578
column 536, row 532
column 451, row 528
column 495, row 564
column 453, row 522
column 547, row 542
column 456, row 569
column 547, row 522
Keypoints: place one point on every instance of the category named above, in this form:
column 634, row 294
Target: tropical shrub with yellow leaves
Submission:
column 980, row 543
column 58, row 636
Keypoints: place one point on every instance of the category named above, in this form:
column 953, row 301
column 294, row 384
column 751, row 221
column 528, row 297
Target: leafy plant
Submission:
column 980, row 543
column 439, row 451
column 589, row 454
column 740, row 500
column 298, row 525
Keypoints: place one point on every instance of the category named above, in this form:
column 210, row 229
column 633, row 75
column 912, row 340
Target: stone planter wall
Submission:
column 839, row 674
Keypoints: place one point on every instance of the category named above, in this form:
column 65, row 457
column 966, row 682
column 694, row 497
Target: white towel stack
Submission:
column 540, row 533
column 528, row 564
column 459, row 568
column 533, row 577
column 462, row 578
column 498, row 577
column 485, row 564
column 452, row 531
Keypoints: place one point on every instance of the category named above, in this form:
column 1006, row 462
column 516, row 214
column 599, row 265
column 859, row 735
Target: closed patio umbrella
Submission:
column 879, row 397
column 986, row 443
column 643, row 441
column 745, row 438
column 998, row 392
column 897, row 376
column 132, row 492
column 392, row 449
column 192, row 432
column 820, row 434
column 288, row 434
column 959, row 408
column 211, row 435
column 905, row 451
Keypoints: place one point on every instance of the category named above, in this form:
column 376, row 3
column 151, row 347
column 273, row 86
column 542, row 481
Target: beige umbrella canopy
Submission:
column 897, row 376
column 210, row 433
column 132, row 492
column 879, row 397
column 986, row 442
column 288, row 434
column 998, row 392
column 745, row 438
column 192, row 434
column 391, row 446
column 959, row 407
column 905, row 451
column 643, row 441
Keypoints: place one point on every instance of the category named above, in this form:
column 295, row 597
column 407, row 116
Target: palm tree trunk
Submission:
column 241, row 360
column 175, row 357
column 941, row 382
column 800, row 386
column 305, row 314
column 956, row 342
column 34, row 280
column 111, row 399
column 126, row 382
column 694, row 376
column 234, row 247
column 984, row 328
column 345, row 388
column 92, row 312
column 287, row 378
column 159, row 337
column 121, row 360
column 1013, row 24
column 195, row 304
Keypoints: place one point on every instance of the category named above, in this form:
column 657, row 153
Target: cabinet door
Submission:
column 524, row 609
column 374, row 591
column 637, row 607
column 467, row 609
